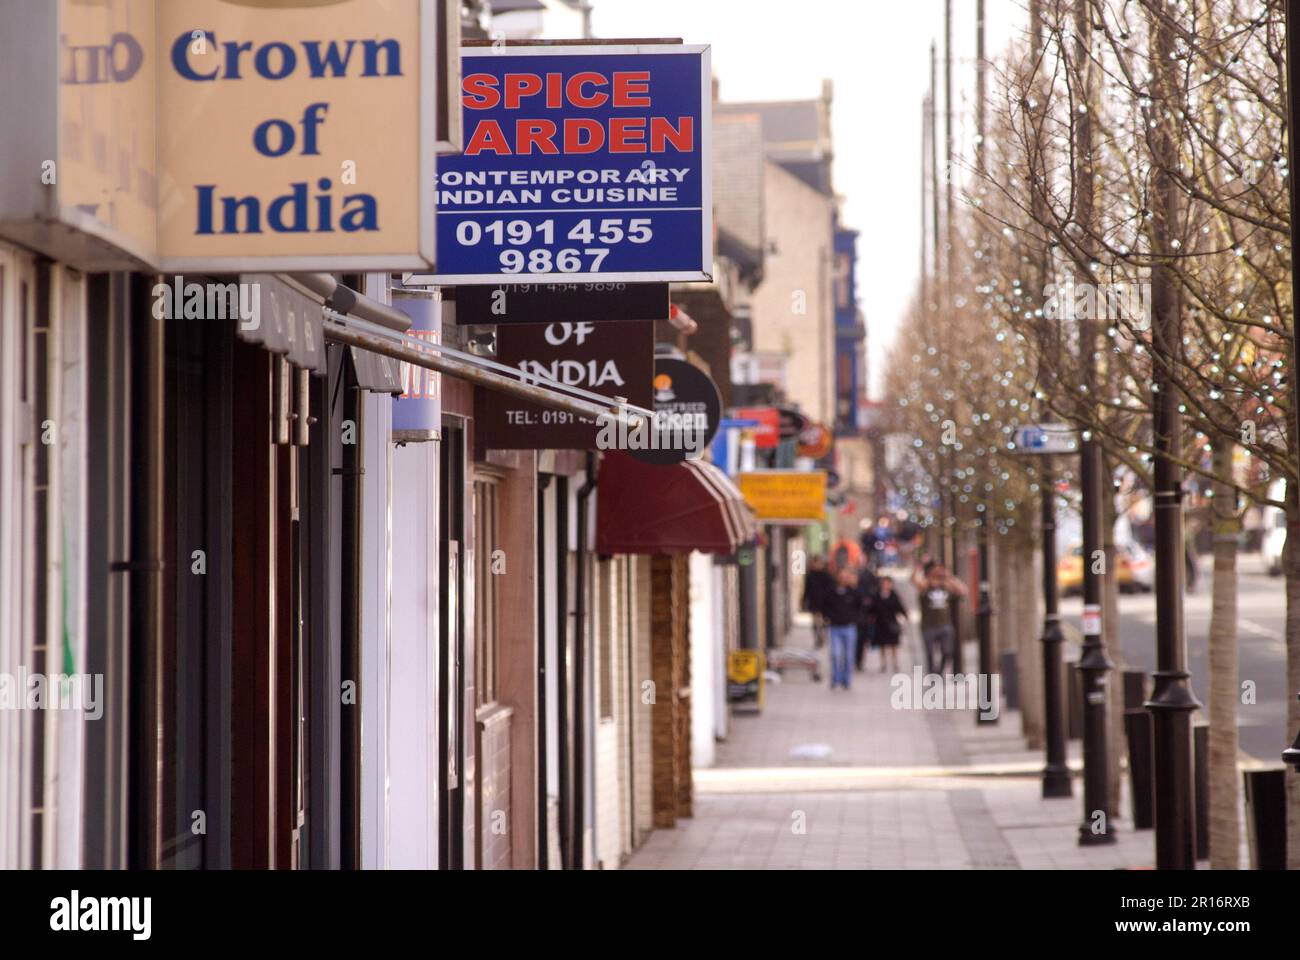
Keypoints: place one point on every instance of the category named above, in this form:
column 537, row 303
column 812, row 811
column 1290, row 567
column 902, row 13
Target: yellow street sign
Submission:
column 745, row 677
column 785, row 496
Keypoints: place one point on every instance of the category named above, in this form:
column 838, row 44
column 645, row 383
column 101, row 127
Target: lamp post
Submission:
column 1093, row 662
column 1041, row 441
column 1292, row 754
column 1172, row 700
column 983, row 620
column 1056, row 775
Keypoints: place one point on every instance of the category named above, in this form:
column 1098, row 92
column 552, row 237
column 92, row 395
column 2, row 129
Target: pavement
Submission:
column 842, row 780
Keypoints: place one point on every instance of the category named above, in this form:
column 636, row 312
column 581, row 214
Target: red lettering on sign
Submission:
column 662, row 133
column 488, row 138
column 579, row 99
column 582, row 135
column 539, row 132
column 573, row 143
column 480, row 91
column 627, row 135
column 632, row 88
column 554, row 90
column 520, row 85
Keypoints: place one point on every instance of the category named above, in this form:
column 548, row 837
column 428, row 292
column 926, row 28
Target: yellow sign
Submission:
column 785, row 496
column 106, row 175
column 289, row 135
column 743, row 666
column 224, row 135
column 745, row 677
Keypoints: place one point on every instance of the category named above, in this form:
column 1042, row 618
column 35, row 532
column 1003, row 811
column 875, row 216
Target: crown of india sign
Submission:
column 211, row 135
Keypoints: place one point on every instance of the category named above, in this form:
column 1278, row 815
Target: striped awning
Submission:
column 648, row 508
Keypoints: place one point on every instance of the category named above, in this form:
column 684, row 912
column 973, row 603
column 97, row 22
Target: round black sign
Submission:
column 687, row 408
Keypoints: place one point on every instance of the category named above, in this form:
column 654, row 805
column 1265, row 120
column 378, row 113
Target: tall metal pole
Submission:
column 1292, row 754
column 981, row 87
column 925, row 148
column 1096, row 827
column 950, row 246
column 1056, row 775
column 984, row 610
column 1172, row 701
column 934, row 172
column 947, row 133
column 936, row 241
column 984, row 617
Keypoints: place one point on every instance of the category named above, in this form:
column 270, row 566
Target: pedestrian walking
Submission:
column 867, row 585
column 886, row 611
column 816, row 582
column 935, row 587
column 845, row 553
column 905, row 538
column 842, row 606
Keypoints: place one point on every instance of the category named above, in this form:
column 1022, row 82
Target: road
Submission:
column 1261, row 609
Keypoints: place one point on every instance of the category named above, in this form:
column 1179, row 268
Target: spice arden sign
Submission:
column 580, row 162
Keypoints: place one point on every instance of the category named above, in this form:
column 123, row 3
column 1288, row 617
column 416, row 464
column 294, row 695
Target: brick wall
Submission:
column 682, row 666
column 671, row 715
column 664, row 717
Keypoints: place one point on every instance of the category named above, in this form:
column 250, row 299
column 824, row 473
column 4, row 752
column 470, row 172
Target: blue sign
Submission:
column 417, row 413
column 579, row 163
column 1045, row 438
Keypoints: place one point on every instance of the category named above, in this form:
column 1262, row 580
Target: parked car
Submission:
column 1134, row 570
column 1069, row 571
column 1270, row 546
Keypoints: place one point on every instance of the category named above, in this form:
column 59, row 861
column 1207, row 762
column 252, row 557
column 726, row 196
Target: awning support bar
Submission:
column 344, row 299
column 340, row 332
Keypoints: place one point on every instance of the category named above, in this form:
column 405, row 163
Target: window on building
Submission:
column 488, row 569
column 842, row 273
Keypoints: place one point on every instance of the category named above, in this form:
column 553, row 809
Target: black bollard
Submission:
column 1201, row 750
column 1137, row 728
column 1266, row 818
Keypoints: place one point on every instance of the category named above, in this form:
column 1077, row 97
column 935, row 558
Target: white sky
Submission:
column 877, row 54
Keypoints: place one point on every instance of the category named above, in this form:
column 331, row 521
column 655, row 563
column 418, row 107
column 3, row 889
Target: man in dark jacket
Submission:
column 816, row 582
column 842, row 606
column 866, row 625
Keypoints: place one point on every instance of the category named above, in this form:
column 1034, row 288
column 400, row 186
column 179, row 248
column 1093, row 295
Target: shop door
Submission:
column 451, row 632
